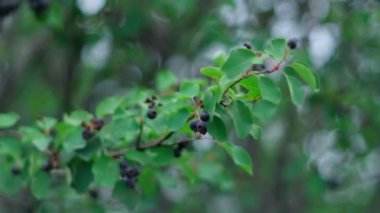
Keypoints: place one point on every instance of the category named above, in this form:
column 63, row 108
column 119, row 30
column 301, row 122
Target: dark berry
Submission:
column 16, row 170
column 8, row 6
column 132, row 172
column 130, row 182
column 204, row 116
column 177, row 152
column 247, row 45
column 152, row 113
column 98, row 124
column 87, row 134
column 201, row 127
column 193, row 125
column 39, row 6
column 182, row 145
column 123, row 165
column 258, row 67
column 292, row 43
column 94, row 193
column 47, row 167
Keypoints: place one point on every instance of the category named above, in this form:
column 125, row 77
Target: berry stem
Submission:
column 196, row 109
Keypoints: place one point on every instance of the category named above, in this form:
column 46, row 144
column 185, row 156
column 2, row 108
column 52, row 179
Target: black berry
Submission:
column 123, row 165
column 247, row 45
column 258, row 67
column 8, row 6
column 204, row 116
column 292, row 43
column 132, row 172
column 87, row 134
column 16, row 170
column 177, row 152
column 152, row 113
column 94, row 193
column 130, row 182
column 193, row 125
column 39, row 6
column 202, row 127
column 47, row 167
column 98, row 124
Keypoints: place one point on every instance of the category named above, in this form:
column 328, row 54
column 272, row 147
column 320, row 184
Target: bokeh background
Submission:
column 322, row 157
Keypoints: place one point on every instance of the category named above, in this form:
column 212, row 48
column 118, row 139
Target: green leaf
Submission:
column 166, row 180
column 10, row 146
column 297, row 93
column 276, row 48
column 91, row 148
column 210, row 99
column 217, row 128
column 239, row 61
column 82, row 176
column 178, row 119
column 76, row 117
column 220, row 59
column 255, row 132
column 8, row 119
column 263, row 110
column 46, row 123
column 126, row 196
column 38, row 139
column 307, row 75
column 212, row 72
column 106, row 171
column 108, row 106
column 40, row 184
column 241, row 117
column 269, row 90
column 74, row 140
column 189, row 89
column 165, row 80
column 240, row 156
column 137, row 156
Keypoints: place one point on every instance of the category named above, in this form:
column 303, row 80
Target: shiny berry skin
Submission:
column 201, row 127
column 292, row 43
column 204, row 116
column 16, row 170
column 193, row 125
column 8, row 6
column 152, row 113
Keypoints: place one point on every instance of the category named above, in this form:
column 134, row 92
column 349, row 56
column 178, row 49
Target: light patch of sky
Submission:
column 90, row 7
column 323, row 41
column 96, row 55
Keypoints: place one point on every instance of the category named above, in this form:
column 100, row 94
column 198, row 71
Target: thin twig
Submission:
column 139, row 136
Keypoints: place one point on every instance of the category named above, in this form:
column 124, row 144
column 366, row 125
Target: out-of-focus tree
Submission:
column 62, row 55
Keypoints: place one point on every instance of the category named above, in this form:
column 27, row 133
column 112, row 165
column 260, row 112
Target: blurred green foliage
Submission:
column 319, row 157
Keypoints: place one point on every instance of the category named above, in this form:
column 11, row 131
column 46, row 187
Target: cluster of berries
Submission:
column 200, row 125
column 180, row 147
column 92, row 127
column 152, row 103
column 129, row 175
column 9, row 6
